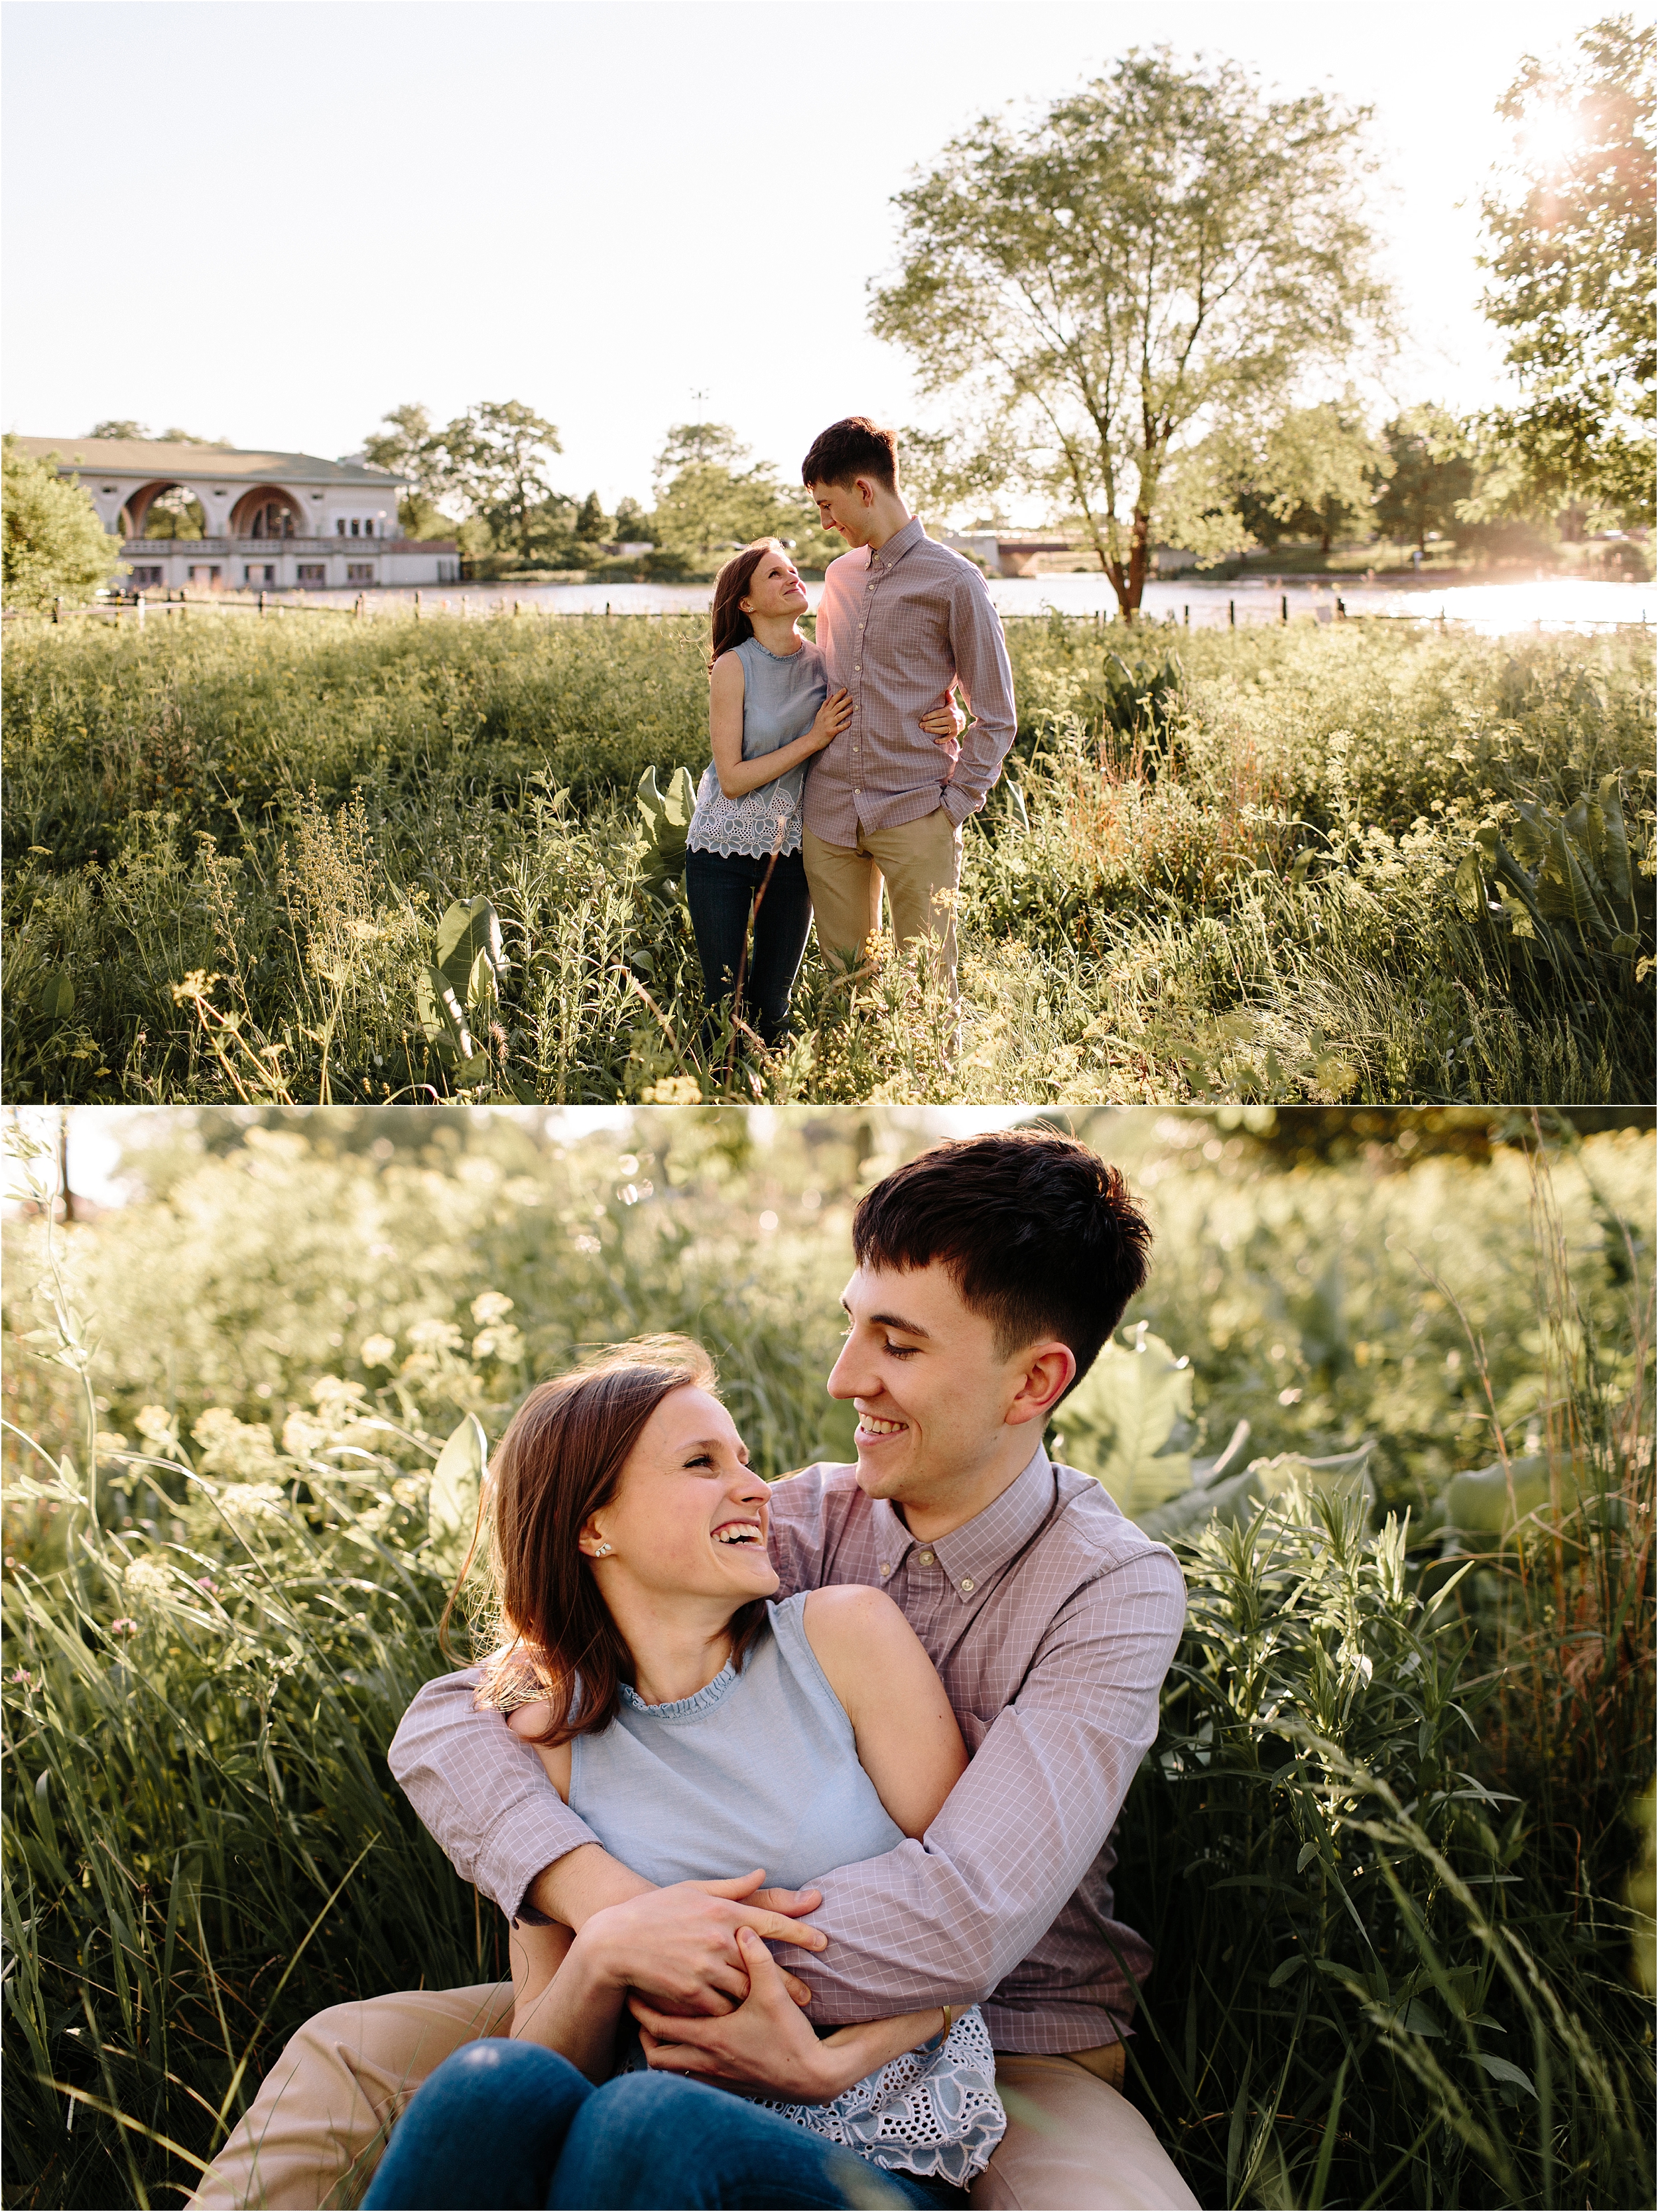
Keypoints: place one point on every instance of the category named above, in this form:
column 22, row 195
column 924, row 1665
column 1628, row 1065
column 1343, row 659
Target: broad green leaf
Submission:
column 1281, row 1973
column 1478, row 1501
column 1127, row 1423
column 1504, row 2070
column 457, row 1480
column 471, row 930
column 56, row 997
column 1615, row 857
column 442, row 1019
column 481, row 985
column 1417, row 2019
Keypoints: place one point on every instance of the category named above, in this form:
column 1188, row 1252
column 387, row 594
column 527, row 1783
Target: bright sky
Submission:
column 273, row 219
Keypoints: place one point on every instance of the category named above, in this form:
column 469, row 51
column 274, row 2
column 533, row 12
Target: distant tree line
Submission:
column 485, row 478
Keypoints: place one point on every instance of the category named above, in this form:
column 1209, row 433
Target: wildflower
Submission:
column 234, row 1447
column 206, row 1583
column 146, row 1580
column 491, row 1306
column 124, row 1626
column 303, row 1434
column 378, row 1350
column 21, row 1675
column 155, row 1425
column 434, row 1336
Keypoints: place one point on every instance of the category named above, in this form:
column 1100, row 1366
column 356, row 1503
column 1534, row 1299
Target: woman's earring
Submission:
column 601, row 1551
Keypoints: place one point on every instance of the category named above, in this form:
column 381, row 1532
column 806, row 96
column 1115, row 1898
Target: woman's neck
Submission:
column 677, row 1645
column 778, row 633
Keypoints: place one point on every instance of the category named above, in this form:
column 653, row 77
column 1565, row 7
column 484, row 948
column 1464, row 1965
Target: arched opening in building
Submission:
column 163, row 510
column 267, row 511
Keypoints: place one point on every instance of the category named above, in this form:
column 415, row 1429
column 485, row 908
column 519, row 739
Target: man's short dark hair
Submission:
column 849, row 449
column 1039, row 1234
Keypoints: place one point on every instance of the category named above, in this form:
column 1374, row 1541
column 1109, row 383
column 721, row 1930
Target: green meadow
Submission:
column 1367, row 862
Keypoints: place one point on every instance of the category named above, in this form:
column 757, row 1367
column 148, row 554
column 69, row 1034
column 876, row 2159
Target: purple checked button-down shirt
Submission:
column 1052, row 1621
column 898, row 628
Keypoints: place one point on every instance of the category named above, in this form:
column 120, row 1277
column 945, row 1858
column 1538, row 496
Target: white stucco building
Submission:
column 270, row 521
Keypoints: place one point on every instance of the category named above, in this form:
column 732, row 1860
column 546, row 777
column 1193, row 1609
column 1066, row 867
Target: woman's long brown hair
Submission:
column 729, row 624
column 560, row 1462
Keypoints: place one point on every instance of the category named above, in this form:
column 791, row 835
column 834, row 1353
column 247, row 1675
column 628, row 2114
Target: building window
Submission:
column 262, row 572
column 312, row 572
column 357, row 527
column 359, row 572
column 207, row 577
column 339, row 528
column 144, row 576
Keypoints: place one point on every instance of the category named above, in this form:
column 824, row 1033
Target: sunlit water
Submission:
column 1548, row 603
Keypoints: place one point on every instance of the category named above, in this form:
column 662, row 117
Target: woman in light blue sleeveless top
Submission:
column 708, row 1729
column 769, row 714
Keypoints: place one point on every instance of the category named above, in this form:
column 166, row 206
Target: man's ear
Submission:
column 1048, row 1368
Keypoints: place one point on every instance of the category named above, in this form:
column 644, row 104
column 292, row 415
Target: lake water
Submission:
column 1548, row 603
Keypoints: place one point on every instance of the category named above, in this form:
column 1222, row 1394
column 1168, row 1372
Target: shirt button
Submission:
column 924, row 1558
column 967, row 1585
column 885, row 1569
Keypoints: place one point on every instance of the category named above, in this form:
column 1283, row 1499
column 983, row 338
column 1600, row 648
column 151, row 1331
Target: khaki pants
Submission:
column 920, row 863
column 314, row 2134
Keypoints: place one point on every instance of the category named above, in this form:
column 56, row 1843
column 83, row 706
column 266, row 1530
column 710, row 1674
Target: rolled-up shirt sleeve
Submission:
column 483, row 1794
column 945, row 1921
column 985, row 675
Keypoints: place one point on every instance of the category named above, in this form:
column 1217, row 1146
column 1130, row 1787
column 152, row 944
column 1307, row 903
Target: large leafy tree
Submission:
column 1430, row 476
column 498, row 454
column 52, row 546
column 712, row 495
column 490, row 462
column 1571, row 268
column 1113, row 280
column 1312, row 472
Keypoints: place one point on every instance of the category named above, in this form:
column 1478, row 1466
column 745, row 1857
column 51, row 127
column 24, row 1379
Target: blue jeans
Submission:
column 501, row 2124
column 720, row 890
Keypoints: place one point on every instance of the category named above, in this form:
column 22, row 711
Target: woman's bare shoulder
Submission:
column 528, row 1721
column 853, row 1625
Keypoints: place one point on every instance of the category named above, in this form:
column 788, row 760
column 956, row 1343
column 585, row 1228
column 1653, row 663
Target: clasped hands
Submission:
column 708, row 1997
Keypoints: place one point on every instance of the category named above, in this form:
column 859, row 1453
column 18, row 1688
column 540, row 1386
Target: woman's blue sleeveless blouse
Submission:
column 781, row 694
column 759, row 1769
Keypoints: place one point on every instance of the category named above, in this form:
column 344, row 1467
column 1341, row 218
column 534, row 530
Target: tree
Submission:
column 1155, row 255
column 1432, row 479
column 593, row 524
column 632, row 525
column 119, row 427
column 52, row 545
column 175, row 512
column 409, row 446
column 496, row 456
column 1320, row 469
column 712, row 495
column 1572, row 233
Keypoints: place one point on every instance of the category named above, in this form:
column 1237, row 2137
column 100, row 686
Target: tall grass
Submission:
column 1230, row 868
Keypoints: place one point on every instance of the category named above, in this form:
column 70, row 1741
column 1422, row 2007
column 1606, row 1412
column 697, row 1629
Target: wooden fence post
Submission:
column 58, row 611
column 1231, row 614
column 1284, row 606
column 1186, row 617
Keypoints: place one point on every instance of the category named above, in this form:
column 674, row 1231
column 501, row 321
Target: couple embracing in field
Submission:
column 839, row 764
column 908, row 1694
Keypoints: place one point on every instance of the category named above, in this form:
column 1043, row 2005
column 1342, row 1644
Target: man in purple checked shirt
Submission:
column 988, row 1274
column 902, row 621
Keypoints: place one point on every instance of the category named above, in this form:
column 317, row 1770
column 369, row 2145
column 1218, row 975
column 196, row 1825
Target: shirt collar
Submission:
column 972, row 1555
column 900, row 541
